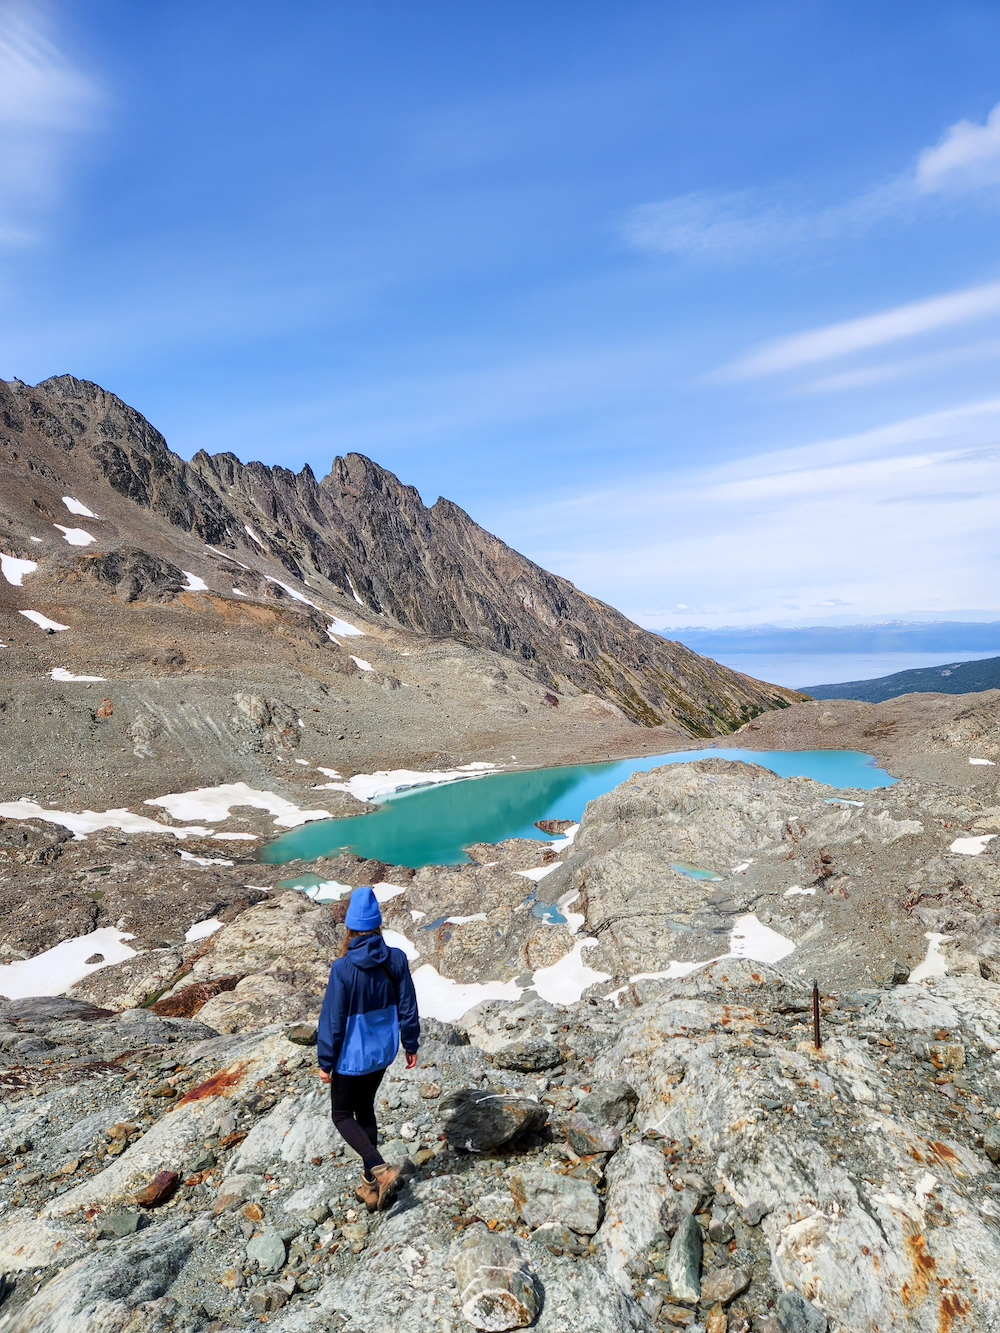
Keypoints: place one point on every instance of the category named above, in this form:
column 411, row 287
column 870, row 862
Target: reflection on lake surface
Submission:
column 432, row 825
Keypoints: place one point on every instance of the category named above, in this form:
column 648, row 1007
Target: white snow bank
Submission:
column 982, row 761
column 972, row 846
column 194, row 583
column 933, row 965
column 567, row 839
column 343, row 628
column 214, row 803
column 202, row 929
column 565, row 981
column 361, row 664
column 76, row 536
column 440, row 997
column 253, row 537
column 354, row 591
column 204, row 860
column 795, row 890
column 377, row 786
column 43, row 622
column 237, row 837
column 751, row 939
column 89, row 821
column 238, row 593
column 75, row 507
column 396, row 940
column 60, row 673
column 57, row 969
column 292, row 593
column 574, row 920
column 226, row 556
column 539, row 872
column 14, row 569
column 461, row 920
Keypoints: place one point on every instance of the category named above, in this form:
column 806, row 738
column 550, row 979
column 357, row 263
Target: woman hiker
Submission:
column 369, row 1004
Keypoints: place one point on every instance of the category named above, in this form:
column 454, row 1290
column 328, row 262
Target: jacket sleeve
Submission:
column 409, row 1021
column 332, row 1020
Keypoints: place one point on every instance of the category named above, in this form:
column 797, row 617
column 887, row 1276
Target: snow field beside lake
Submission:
column 215, row 803
column 377, row 786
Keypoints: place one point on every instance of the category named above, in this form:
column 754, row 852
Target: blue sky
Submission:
column 695, row 303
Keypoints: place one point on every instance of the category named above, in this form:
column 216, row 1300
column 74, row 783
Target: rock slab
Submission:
column 479, row 1119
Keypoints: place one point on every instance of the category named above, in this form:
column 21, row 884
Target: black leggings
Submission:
column 352, row 1098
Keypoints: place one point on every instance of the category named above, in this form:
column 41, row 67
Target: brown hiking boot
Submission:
column 367, row 1193
column 388, row 1181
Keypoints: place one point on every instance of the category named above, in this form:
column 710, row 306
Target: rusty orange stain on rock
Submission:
column 952, row 1307
column 923, row 1265
column 214, row 1086
column 943, row 1151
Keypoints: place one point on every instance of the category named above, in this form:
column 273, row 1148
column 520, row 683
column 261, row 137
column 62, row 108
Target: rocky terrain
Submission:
column 619, row 1120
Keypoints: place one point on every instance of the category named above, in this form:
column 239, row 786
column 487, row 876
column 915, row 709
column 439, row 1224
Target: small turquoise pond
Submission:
column 432, row 825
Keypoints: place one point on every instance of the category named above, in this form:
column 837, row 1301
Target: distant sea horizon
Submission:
column 797, row 671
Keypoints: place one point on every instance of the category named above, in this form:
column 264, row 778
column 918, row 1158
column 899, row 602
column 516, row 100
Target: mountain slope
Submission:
column 358, row 534
column 949, row 678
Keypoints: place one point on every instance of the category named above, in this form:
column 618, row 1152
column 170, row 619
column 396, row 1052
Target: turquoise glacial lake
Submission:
column 433, row 825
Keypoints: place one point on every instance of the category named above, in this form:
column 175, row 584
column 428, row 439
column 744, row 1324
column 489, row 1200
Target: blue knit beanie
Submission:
column 363, row 910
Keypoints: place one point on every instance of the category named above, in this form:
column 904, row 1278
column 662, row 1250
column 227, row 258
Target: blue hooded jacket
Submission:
column 359, row 1024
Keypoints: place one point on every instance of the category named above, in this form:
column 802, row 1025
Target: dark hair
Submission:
column 351, row 935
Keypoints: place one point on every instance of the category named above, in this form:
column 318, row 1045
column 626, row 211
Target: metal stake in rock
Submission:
column 496, row 1286
column 816, row 1037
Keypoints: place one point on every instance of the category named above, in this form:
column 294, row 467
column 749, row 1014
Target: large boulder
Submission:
column 544, row 1197
column 479, row 1119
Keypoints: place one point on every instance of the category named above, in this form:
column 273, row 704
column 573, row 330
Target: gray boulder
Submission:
column 268, row 1250
column 798, row 1315
column 684, row 1262
column 546, row 1197
column 610, row 1104
column 528, row 1056
column 479, row 1119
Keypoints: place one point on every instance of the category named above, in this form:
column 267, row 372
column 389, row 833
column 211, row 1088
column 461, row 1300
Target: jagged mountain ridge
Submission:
column 364, row 534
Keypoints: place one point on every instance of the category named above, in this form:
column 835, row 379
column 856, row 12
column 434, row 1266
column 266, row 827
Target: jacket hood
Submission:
column 368, row 952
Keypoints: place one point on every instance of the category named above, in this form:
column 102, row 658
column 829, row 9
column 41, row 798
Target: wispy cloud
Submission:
column 44, row 98
column 855, row 335
column 967, row 158
column 735, row 225
column 902, row 516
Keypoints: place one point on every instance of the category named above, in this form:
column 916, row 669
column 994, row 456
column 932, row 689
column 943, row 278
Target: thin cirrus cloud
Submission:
column 925, row 488
column 735, row 225
column 44, row 99
column 856, row 335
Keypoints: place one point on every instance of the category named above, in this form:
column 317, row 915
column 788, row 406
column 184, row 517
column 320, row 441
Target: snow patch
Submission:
column 396, row 940
column 933, row 965
column 202, row 929
column 215, row 803
column 76, row 536
column 253, row 537
column 215, row 551
column 975, row 761
column 440, row 997
column 539, row 872
column 194, row 583
column 842, row 800
column 344, row 628
column 238, row 593
column 14, row 569
column 567, row 839
column 751, row 939
column 57, row 969
column 972, row 846
column 43, row 622
column 354, row 591
column 292, row 593
column 90, row 821
column 461, row 920
column 378, row 786
column 204, row 860
column 60, row 673
column 795, row 890
column 75, row 507
column 565, row 981
column 361, row 663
